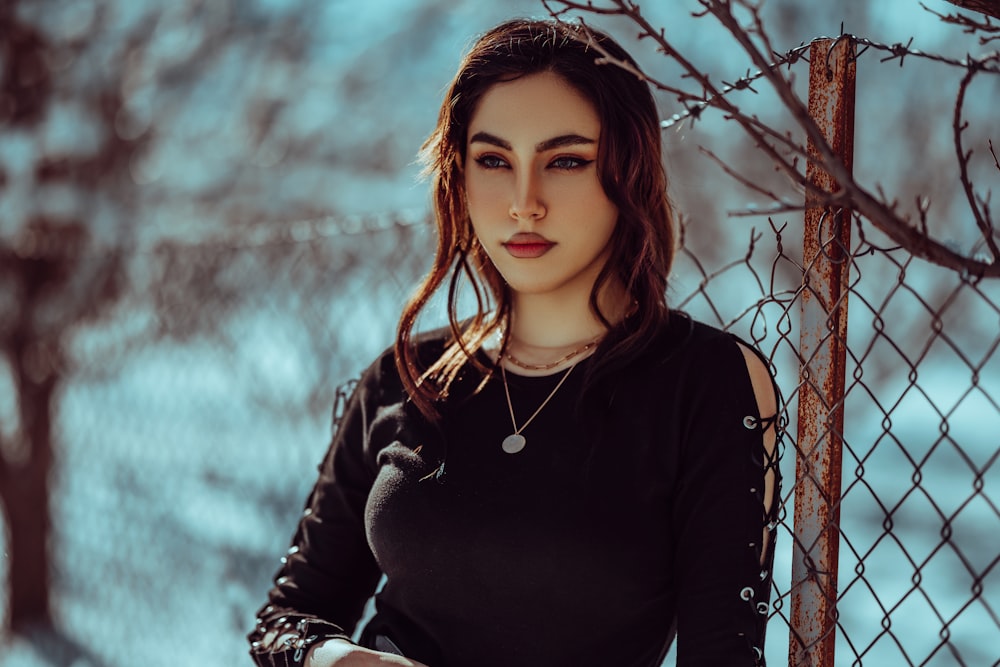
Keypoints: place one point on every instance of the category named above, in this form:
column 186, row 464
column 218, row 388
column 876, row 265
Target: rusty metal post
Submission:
column 822, row 347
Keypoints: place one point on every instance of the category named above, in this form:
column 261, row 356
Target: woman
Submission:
column 574, row 474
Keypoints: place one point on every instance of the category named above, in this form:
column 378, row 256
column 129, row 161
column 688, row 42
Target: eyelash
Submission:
column 575, row 162
column 491, row 162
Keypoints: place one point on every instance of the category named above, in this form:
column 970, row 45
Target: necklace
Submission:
column 515, row 442
column 544, row 367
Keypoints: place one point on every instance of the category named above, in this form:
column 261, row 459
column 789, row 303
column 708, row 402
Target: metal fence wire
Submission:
column 189, row 431
column 187, row 440
column 918, row 520
column 917, row 516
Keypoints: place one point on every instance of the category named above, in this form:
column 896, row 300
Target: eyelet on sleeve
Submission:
column 291, row 552
column 297, row 635
column 747, row 593
column 750, row 422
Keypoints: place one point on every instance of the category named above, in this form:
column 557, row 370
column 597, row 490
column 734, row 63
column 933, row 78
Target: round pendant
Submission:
column 513, row 443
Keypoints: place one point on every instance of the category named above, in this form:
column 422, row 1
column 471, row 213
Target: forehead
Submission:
column 533, row 108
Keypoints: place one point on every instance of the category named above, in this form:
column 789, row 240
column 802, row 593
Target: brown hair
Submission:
column 630, row 171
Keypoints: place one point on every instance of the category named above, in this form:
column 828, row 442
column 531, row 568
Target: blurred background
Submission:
column 210, row 217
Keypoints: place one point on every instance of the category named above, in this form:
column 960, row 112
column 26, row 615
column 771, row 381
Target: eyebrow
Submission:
column 547, row 145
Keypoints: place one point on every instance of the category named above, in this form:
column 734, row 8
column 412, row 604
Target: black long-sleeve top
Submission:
column 628, row 517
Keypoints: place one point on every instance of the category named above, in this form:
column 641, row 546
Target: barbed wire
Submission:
column 28, row 244
column 787, row 153
column 898, row 50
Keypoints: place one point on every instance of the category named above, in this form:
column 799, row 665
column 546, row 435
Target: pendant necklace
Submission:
column 515, row 442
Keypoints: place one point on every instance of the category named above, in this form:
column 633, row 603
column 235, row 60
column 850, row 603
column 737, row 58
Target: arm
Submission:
column 329, row 572
column 725, row 509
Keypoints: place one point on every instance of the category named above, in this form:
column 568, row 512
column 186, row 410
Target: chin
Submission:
column 527, row 287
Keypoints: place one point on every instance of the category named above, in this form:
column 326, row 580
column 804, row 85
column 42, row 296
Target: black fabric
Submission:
column 628, row 516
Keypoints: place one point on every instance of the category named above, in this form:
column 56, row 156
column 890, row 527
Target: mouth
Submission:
column 528, row 246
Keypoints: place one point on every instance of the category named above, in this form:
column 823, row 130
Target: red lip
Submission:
column 528, row 246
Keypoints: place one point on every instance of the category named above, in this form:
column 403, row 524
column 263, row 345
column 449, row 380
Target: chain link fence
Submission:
column 189, row 436
column 192, row 420
column 919, row 524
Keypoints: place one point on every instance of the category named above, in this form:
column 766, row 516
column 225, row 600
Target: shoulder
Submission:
column 429, row 347
column 378, row 401
column 382, row 377
column 683, row 339
column 761, row 379
column 701, row 352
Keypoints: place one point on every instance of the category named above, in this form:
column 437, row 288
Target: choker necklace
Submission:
column 544, row 367
column 515, row 442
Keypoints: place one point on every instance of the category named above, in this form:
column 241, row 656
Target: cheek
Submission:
column 477, row 195
column 581, row 192
column 592, row 204
column 606, row 217
column 480, row 204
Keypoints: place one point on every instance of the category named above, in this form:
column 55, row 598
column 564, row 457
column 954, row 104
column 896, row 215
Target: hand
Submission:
column 342, row 653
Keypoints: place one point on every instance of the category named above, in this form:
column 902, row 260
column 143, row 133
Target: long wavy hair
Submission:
column 631, row 173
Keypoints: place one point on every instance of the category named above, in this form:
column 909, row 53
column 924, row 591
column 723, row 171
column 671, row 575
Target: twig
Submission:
column 982, row 220
column 735, row 175
column 773, row 144
column 970, row 26
column 988, row 7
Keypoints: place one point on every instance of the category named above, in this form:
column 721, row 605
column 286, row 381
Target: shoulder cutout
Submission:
column 767, row 409
column 760, row 378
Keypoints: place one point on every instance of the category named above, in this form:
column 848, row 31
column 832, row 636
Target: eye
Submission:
column 569, row 162
column 491, row 162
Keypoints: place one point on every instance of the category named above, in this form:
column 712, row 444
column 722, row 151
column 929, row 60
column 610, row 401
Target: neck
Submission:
column 548, row 324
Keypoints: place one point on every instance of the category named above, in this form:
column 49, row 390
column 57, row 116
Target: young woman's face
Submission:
column 536, row 203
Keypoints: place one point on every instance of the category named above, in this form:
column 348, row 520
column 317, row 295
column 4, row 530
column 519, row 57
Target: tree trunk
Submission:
column 26, row 506
column 24, row 490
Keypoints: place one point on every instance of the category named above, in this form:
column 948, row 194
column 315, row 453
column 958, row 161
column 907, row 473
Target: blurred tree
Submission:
column 53, row 279
column 122, row 124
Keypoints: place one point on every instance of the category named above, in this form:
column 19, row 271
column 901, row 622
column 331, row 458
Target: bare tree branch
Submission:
column 988, row 7
column 970, row 25
column 763, row 136
column 744, row 180
column 982, row 218
column 780, row 148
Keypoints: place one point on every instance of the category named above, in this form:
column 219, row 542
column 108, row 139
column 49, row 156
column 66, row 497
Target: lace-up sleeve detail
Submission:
column 329, row 572
column 726, row 508
column 286, row 640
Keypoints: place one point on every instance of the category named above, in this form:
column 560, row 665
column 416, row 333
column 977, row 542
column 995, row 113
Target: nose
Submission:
column 527, row 202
